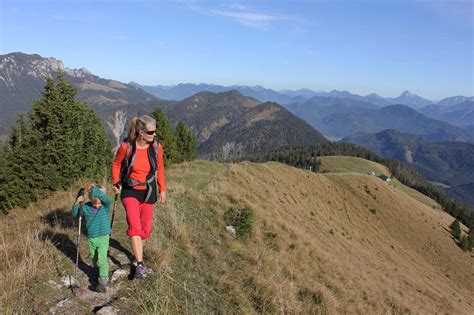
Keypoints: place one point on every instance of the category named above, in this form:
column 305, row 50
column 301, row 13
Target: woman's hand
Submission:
column 163, row 197
column 80, row 199
column 117, row 189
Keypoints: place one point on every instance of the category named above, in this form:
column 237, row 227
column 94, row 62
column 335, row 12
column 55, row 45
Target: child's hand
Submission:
column 90, row 187
column 80, row 199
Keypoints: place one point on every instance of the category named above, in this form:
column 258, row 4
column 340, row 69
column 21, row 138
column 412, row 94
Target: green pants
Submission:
column 98, row 247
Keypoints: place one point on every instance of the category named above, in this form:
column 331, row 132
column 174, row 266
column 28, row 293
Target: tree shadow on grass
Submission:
column 64, row 244
column 59, row 217
column 62, row 218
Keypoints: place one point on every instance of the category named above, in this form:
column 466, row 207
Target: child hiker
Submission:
column 97, row 226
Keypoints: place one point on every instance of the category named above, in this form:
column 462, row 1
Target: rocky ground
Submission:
column 80, row 294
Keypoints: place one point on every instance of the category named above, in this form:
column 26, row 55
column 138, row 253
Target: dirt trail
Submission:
column 85, row 298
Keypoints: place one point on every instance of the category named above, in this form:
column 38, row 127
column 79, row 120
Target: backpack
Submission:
column 127, row 168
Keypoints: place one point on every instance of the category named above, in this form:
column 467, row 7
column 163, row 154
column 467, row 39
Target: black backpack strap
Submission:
column 126, row 168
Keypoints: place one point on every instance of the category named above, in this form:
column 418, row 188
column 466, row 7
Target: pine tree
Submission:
column 61, row 141
column 3, row 172
column 456, row 229
column 166, row 136
column 186, row 143
column 23, row 167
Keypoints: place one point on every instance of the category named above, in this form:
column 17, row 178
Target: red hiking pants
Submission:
column 139, row 217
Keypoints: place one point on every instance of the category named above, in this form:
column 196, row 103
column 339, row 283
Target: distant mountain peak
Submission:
column 453, row 100
column 411, row 99
column 79, row 73
column 22, row 79
column 407, row 94
column 15, row 65
column 340, row 91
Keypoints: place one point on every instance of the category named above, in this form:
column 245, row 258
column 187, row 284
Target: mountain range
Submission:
column 22, row 79
column 228, row 124
column 449, row 164
column 338, row 118
column 459, row 114
column 453, row 110
column 183, row 90
column 336, row 113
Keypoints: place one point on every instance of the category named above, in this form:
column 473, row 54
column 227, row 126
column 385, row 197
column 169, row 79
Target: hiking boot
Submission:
column 133, row 270
column 102, row 286
column 140, row 272
column 148, row 271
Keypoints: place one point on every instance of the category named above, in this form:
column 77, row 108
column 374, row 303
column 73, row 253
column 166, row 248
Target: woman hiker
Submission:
column 138, row 175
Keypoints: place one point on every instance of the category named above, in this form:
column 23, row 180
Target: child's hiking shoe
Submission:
column 102, row 285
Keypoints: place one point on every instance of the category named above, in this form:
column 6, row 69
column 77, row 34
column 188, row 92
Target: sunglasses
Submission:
column 150, row 132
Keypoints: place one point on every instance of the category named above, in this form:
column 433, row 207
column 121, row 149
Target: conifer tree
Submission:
column 23, row 167
column 456, row 229
column 186, row 143
column 61, row 141
column 166, row 136
column 3, row 172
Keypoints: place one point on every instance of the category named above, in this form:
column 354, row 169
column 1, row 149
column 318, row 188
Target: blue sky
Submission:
column 381, row 46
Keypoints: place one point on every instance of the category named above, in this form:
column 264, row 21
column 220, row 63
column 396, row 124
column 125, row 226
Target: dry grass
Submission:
column 30, row 239
column 401, row 259
column 317, row 247
column 349, row 164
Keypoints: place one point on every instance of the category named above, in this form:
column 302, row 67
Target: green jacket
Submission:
column 96, row 224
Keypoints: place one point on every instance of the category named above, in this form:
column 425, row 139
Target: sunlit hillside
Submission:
column 339, row 241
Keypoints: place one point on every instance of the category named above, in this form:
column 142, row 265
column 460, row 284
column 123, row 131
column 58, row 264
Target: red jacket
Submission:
column 141, row 167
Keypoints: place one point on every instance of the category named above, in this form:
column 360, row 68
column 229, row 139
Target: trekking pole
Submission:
column 113, row 214
column 112, row 221
column 78, row 240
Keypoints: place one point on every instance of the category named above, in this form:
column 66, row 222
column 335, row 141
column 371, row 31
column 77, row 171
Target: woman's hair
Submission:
column 139, row 124
column 95, row 200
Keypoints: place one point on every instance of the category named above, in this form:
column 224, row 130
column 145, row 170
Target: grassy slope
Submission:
column 328, row 243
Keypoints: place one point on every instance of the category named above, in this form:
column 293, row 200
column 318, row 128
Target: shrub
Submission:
column 470, row 239
column 240, row 217
column 456, row 230
column 464, row 243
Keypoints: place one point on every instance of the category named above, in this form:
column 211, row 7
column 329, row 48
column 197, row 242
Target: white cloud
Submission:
column 239, row 13
column 235, row 6
column 253, row 19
